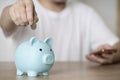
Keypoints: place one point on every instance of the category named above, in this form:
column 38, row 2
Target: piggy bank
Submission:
column 34, row 57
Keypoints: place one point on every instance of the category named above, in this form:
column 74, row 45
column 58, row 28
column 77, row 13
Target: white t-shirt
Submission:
column 76, row 31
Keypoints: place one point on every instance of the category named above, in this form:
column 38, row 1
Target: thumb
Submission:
column 35, row 17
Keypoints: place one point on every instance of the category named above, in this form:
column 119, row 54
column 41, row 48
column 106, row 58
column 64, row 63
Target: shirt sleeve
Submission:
column 100, row 33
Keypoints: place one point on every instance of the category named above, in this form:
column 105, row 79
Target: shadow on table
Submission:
column 32, row 78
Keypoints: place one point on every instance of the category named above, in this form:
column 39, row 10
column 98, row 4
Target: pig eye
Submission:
column 50, row 49
column 40, row 49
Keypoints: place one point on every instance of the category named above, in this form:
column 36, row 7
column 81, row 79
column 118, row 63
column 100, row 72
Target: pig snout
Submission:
column 48, row 59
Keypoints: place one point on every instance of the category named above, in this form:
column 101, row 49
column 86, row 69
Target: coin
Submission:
column 33, row 26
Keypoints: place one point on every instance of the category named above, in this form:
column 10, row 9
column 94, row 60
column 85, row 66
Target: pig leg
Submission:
column 19, row 72
column 45, row 73
column 32, row 73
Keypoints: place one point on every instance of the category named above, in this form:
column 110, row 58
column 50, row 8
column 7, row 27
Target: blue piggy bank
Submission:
column 34, row 57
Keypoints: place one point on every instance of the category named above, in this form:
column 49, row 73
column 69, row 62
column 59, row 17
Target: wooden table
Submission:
column 66, row 71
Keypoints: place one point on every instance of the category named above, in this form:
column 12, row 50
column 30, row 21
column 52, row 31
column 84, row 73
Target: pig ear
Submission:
column 48, row 41
column 33, row 40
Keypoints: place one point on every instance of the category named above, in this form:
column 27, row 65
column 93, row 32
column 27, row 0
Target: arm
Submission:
column 21, row 13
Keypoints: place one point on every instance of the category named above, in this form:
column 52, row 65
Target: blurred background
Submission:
column 107, row 9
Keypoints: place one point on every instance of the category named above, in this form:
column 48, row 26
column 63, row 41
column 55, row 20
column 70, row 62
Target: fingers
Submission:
column 23, row 16
column 18, row 15
column 35, row 17
column 109, row 57
column 105, row 46
column 23, row 13
column 95, row 59
column 104, row 59
column 13, row 17
column 31, row 13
